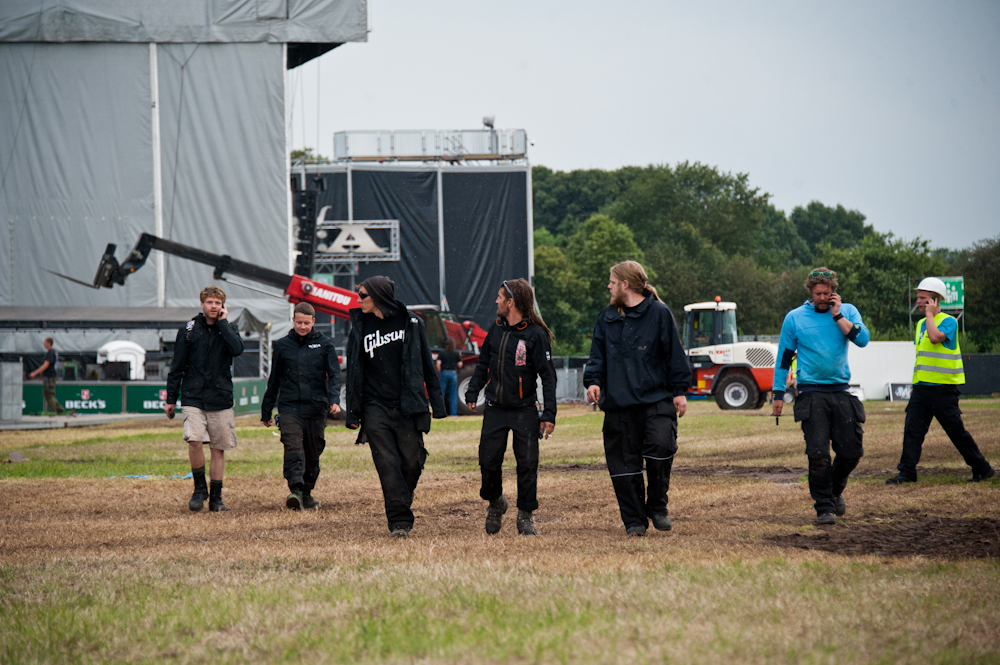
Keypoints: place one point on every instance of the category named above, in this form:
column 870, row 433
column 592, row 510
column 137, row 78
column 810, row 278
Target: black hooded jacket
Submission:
column 637, row 358
column 305, row 376
column 417, row 370
column 201, row 371
column 510, row 359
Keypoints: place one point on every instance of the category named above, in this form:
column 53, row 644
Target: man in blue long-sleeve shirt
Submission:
column 819, row 332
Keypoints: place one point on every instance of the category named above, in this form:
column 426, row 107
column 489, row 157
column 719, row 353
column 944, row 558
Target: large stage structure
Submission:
column 118, row 118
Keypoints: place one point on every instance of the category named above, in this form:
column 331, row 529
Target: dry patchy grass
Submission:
column 103, row 569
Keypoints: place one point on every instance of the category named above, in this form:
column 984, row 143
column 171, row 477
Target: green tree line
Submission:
column 701, row 233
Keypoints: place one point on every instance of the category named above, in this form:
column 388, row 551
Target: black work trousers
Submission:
column 645, row 433
column 523, row 424
column 941, row 402
column 399, row 455
column 304, row 442
column 830, row 418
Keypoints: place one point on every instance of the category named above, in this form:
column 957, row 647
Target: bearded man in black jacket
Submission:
column 388, row 364
column 305, row 383
column 201, row 373
column 639, row 374
column 516, row 351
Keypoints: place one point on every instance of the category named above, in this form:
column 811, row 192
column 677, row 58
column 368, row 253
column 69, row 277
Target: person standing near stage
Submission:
column 517, row 350
column 638, row 374
column 48, row 372
column 201, row 374
column 937, row 375
column 305, row 383
column 449, row 361
column 389, row 363
column 818, row 332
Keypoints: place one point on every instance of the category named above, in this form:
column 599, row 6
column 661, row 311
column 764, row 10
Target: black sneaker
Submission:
column 217, row 506
column 399, row 532
column 308, row 501
column 294, row 500
column 839, row 505
column 979, row 477
column 662, row 523
column 637, row 531
column 900, row 479
column 197, row 501
column 826, row 518
column 494, row 514
column 525, row 524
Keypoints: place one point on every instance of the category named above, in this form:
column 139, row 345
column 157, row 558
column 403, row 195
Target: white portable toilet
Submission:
column 125, row 351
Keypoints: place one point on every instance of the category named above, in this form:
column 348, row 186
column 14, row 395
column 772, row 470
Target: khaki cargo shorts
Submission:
column 216, row 428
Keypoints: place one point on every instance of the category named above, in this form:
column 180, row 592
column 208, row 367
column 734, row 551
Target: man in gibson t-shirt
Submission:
column 388, row 363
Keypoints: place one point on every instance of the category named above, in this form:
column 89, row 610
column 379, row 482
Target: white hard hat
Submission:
column 934, row 285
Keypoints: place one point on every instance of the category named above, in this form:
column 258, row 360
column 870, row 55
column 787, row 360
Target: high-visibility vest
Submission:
column 935, row 362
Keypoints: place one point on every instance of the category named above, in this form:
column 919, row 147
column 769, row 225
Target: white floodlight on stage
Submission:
column 488, row 120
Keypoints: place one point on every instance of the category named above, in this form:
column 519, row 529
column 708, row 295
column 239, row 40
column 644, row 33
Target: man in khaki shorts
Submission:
column 201, row 373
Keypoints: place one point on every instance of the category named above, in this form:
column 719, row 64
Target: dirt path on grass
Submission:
column 579, row 523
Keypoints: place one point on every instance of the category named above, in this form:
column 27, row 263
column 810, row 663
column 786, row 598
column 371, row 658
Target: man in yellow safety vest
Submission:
column 937, row 375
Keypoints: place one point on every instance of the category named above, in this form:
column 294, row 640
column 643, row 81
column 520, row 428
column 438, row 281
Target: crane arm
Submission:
column 296, row 288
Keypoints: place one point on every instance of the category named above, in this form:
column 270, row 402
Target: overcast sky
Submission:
column 890, row 108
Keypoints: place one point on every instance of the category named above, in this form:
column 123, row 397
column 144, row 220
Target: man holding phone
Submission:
column 937, row 375
column 818, row 333
column 201, row 373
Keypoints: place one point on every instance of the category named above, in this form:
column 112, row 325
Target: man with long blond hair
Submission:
column 516, row 351
column 639, row 374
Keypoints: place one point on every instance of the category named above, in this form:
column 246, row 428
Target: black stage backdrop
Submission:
column 485, row 231
column 485, row 238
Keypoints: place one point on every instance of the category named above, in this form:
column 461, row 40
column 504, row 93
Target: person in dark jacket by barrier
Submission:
column 201, row 374
column 305, row 383
column 515, row 352
column 389, row 363
column 638, row 374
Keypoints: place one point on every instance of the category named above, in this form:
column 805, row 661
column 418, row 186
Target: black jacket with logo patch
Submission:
column 305, row 376
column 510, row 360
column 201, row 371
column 417, row 370
column 637, row 358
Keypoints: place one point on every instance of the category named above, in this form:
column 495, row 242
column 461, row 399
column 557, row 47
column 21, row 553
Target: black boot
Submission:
column 308, row 501
column 197, row 501
column 215, row 497
column 294, row 499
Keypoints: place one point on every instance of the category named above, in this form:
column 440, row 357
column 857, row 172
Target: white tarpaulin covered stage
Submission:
column 119, row 117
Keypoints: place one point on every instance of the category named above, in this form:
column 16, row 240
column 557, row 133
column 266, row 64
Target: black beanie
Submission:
column 382, row 292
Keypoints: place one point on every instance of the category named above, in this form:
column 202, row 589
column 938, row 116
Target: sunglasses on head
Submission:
column 362, row 295
column 508, row 288
column 821, row 273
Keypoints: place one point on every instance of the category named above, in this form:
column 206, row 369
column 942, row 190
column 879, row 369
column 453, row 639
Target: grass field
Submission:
column 99, row 569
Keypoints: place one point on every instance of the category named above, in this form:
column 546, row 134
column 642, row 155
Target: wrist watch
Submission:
column 838, row 317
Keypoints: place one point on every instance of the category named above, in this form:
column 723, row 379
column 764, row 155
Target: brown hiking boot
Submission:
column 525, row 524
column 494, row 514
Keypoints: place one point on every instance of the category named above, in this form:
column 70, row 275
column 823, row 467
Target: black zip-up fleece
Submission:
column 510, row 378
column 305, row 376
column 418, row 369
column 637, row 358
column 201, row 371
